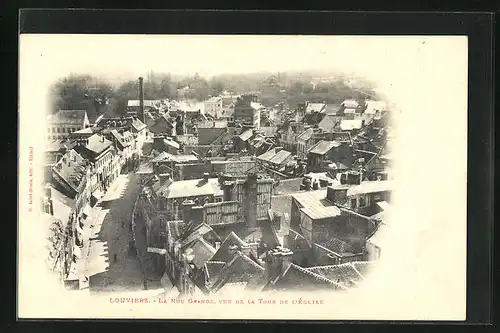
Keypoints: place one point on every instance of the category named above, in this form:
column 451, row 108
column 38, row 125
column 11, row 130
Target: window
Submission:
column 353, row 203
column 362, row 202
column 58, row 130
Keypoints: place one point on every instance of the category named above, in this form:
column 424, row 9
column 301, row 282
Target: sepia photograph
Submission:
column 242, row 177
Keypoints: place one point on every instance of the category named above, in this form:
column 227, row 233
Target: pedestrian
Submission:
column 115, row 258
column 123, row 223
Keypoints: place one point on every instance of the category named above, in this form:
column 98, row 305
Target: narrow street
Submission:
column 112, row 264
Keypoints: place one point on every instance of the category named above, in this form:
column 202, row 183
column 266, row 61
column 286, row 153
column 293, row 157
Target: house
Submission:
column 324, row 153
column 99, row 152
column 124, row 143
column 214, row 106
column 62, row 236
column 209, row 131
column 287, row 135
column 323, row 233
column 188, row 248
column 275, row 158
column 65, row 122
column 247, row 112
column 242, row 142
column 364, row 196
column 304, row 143
column 161, row 124
column 132, row 124
column 170, row 194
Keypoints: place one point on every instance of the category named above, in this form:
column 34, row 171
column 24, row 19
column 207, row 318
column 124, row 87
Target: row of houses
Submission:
column 79, row 167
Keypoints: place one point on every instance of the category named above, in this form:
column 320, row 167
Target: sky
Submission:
column 116, row 56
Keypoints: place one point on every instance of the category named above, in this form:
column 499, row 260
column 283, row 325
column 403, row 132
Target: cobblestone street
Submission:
column 112, row 264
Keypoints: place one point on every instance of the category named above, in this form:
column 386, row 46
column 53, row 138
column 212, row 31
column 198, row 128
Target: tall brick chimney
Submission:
column 141, row 100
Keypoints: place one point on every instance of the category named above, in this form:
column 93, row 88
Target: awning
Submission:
column 97, row 194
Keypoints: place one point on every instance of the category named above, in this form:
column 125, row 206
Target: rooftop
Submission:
column 306, row 135
column 351, row 124
column 275, row 156
column 98, row 144
column 317, row 212
column 350, row 103
column 374, row 186
column 344, row 274
column 323, row 147
column 193, row 188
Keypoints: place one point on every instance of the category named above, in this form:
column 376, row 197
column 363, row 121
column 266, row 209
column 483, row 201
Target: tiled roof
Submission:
column 192, row 188
column 343, row 274
column 363, row 267
column 76, row 117
column 240, row 269
column 338, row 246
column 323, row 147
column 371, row 187
column 300, row 278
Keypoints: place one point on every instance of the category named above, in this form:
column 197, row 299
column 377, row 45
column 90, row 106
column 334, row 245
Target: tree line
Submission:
column 99, row 96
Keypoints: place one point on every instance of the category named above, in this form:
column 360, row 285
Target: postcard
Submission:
column 242, row 177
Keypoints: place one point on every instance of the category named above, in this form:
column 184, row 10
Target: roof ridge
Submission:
column 329, row 266
column 358, row 272
column 317, row 276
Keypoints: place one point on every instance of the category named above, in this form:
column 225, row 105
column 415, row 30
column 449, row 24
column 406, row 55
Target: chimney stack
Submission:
column 197, row 215
column 277, row 261
column 206, row 175
column 164, row 177
column 141, row 100
column 187, row 207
